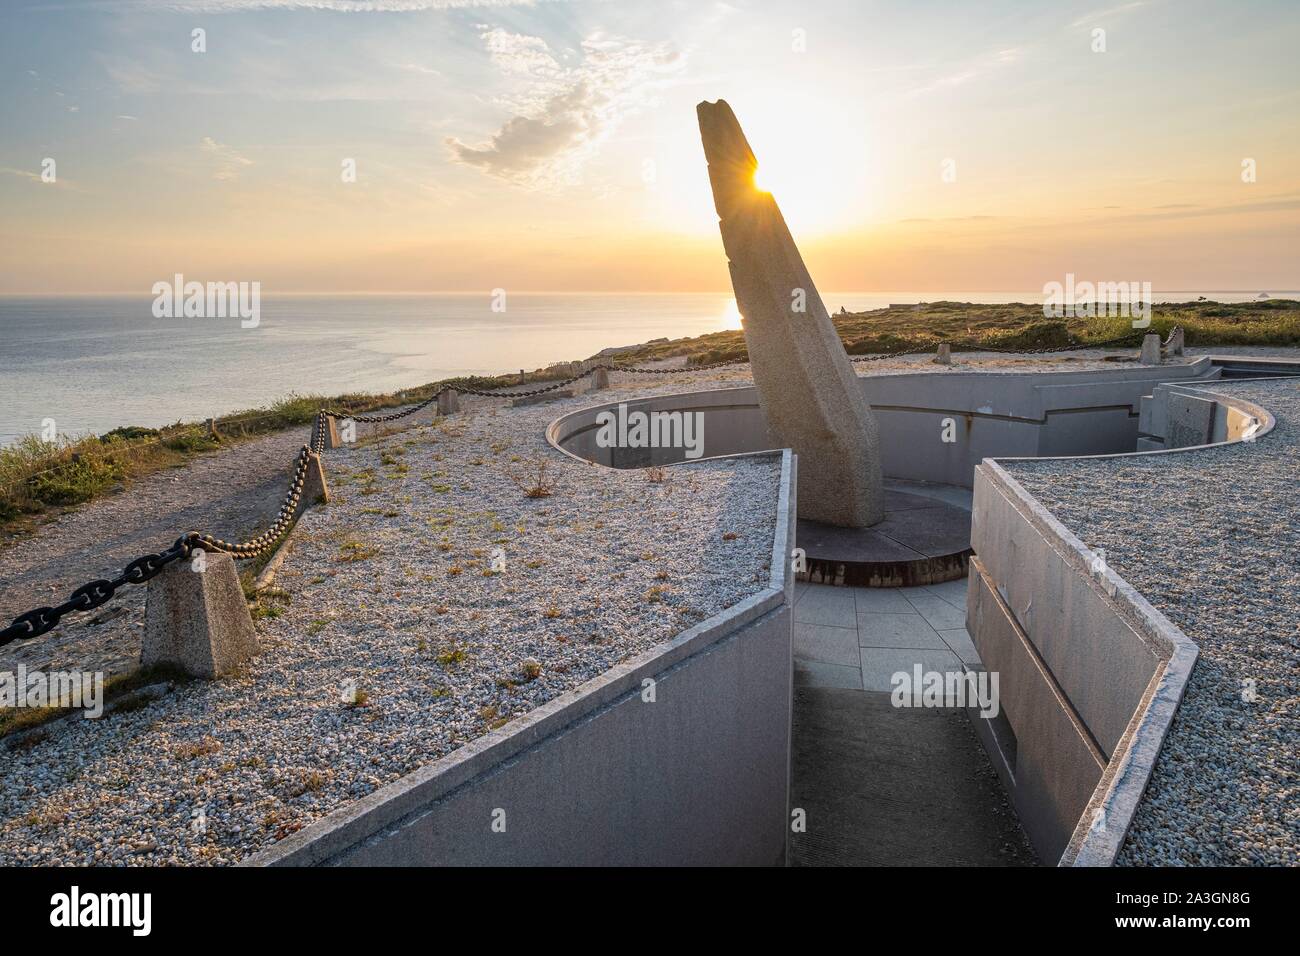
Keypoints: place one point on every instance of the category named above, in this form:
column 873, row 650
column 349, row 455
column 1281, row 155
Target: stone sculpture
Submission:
column 806, row 385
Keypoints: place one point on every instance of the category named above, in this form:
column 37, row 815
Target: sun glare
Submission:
column 731, row 317
column 760, row 183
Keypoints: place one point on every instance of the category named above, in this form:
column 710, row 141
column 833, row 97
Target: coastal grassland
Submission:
column 40, row 478
column 1014, row 325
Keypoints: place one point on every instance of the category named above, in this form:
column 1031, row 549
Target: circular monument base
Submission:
column 922, row 540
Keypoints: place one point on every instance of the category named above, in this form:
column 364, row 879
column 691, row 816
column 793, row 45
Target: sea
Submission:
column 87, row 364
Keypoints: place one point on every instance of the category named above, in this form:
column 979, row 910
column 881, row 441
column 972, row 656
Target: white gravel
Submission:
column 1212, row 539
column 213, row 772
column 604, row 569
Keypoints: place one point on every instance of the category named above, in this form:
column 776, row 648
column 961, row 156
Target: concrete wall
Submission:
column 600, row 776
column 1181, row 416
column 994, row 414
column 1090, row 673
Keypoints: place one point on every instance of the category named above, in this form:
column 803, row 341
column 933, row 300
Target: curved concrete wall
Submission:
column 1091, row 674
column 1012, row 414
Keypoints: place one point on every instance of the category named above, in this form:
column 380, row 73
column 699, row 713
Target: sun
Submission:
column 760, row 180
column 731, row 318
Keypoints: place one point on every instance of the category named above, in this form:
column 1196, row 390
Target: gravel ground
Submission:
column 437, row 654
column 395, row 643
column 1212, row 539
column 234, row 494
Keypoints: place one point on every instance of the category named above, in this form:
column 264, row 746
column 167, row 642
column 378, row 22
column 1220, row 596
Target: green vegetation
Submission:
column 40, row 479
column 1015, row 325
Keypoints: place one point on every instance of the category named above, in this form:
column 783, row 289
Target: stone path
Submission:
column 887, row 786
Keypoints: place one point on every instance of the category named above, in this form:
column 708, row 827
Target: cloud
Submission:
column 563, row 112
column 229, row 163
column 1090, row 19
column 972, row 69
column 23, row 173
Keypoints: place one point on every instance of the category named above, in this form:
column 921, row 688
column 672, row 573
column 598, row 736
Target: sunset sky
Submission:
column 553, row 145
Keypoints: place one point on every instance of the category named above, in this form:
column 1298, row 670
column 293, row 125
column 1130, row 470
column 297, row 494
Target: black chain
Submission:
column 41, row 620
column 89, row 596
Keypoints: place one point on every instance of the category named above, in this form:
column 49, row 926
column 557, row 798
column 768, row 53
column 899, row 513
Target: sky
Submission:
column 552, row 146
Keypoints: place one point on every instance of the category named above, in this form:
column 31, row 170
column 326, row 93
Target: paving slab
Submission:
column 940, row 614
column 897, row 630
column 820, row 674
column 879, row 664
column 829, row 645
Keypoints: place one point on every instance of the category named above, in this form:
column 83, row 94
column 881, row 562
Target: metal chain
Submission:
column 90, row 596
column 41, row 620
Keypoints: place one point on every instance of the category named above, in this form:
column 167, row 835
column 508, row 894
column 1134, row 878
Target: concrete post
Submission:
column 332, row 433
column 212, row 430
column 599, row 379
column 1176, row 342
column 314, row 488
column 945, row 354
column 198, row 621
column 806, row 386
column 1150, row 349
column 448, row 402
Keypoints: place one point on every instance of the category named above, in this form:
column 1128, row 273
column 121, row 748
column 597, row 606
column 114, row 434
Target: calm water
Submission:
column 93, row 363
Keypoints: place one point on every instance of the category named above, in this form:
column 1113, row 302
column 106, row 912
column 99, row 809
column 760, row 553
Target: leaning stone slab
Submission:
column 198, row 621
column 806, row 386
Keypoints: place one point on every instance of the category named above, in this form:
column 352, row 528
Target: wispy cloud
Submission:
column 562, row 113
column 1110, row 13
column 971, row 70
column 229, row 163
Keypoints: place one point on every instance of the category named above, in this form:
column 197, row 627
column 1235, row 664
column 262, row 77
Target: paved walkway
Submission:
column 886, row 786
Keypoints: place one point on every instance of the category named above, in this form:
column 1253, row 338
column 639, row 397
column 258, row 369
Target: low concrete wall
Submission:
column 601, row 776
column 1090, row 673
column 994, row 414
column 1181, row 416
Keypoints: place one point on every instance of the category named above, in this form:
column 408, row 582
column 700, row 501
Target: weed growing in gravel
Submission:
column 452, row 657
column 196, row 748
column 552, row 612
column 534, row 481
column 656, row 474
column 353, row 550
column 656, row 593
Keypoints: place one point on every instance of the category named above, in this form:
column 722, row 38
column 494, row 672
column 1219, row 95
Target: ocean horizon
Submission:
column 92, row 363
